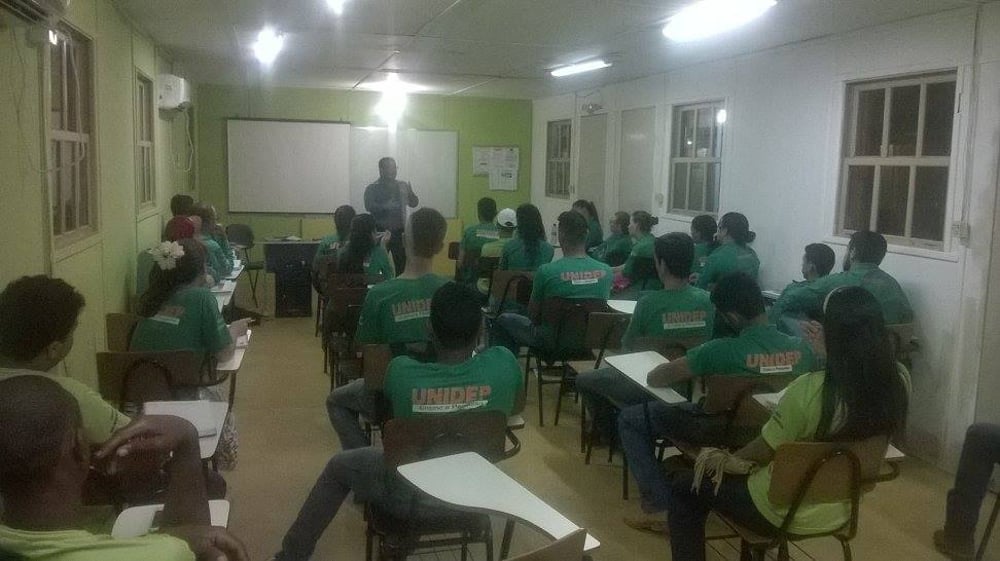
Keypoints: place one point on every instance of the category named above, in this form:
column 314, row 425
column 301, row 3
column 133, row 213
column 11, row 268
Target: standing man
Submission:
column 386, row 200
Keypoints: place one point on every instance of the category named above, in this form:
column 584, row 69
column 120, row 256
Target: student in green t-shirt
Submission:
column 575, row 276
column 458, row 381
column 616, row 249
column 733, row 254
column 475, row 237
column 817, row 262
column 677, row 311
column 859, row 396
column 506, row 224
column 638, row 268
column 595, row 234
column 703, row 230
column 759, row 349
column 210, row 227
column 528, row 250
column 216, row 266
column 394, row 312
column 329, row 244
column 364, row 253
column 45, row 462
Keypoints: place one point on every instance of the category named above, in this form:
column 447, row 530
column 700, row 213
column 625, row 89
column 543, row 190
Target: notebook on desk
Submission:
column 198, row 413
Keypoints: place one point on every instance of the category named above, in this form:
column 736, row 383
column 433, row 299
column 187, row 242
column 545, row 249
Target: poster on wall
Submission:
column 499, row 163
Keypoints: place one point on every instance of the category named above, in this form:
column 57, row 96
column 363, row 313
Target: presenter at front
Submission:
column 386, row 200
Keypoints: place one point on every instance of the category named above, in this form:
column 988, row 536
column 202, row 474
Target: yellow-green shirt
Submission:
column 80, row 545
column 495, row 250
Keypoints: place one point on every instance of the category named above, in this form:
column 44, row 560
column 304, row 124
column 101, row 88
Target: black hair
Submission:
column 704, row 225
column 456, row 315
column 37, row 416
column 589, row 207
column 35, row 312
column 180, row 204
column 342, row 218
column 486, row 208
column 530, row 228
column 676, row 250
column 206, row 213
column 738, row 228
column 738, row 293
column 645, row 221
column 359, row 245
column 573, row 229
column 163, row 282
column 383, row 162
column 869, row 247
column 862, row 387
column 427, row 228
column 621, row 218
column 822, row 258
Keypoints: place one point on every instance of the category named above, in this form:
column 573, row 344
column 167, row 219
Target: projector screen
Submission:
column 288, row 166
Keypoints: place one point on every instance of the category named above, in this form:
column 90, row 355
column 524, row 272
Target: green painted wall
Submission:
column 478, row 122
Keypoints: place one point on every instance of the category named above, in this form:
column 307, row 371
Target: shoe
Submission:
column 955, row 550
column 655, row 524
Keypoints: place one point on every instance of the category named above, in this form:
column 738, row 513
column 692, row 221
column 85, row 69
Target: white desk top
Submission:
column 234, row 363
column 138, row 520
column 237, row 271
column 623, row 306
column 447, row 479
column 224, row 286
column 218, row 410
column 771, row 295
column 636, row 366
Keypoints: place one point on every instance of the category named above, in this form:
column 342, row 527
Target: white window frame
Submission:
column 558, row 167
column 145, row 137
column 676, row 130
column 884, row 159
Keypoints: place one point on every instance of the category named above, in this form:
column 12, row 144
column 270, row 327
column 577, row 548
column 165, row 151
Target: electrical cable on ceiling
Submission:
column 190, row 143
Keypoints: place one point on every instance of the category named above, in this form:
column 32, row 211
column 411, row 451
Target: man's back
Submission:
column 895, row 305
column 396, row 310
column 759, row 349
column 680, row 313
column 572, row 277
column 80, row 545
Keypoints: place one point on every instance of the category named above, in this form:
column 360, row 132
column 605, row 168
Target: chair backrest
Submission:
column 671, row 348
column 726, row 393
column 374, row 364
column 240, row 234
column 604, row 332
column 824, row 472
column 485, row 266
column 344, row 307
column 453, row 248
column 511, row 285
column 137, row 377
column 568, row 318
column 568, row 548
column 423, row 437
column 643, row 269
column 119, row 329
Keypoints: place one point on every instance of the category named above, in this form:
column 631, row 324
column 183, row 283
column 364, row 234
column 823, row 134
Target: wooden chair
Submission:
column 345, row 296
column 137, row 377
column 119, row 329
column 804, row 473
column 604, row 333
column 569, row 548
column 374, row 366
column 429, row 523
column 509, row 286
column 671, row 349
column 731, row 397
column 485, row 266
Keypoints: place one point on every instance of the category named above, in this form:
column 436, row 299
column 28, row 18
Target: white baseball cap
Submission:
column 507, row 218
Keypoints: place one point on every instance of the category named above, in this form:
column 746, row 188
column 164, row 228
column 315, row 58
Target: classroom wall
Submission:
column 102, row 266
column 781, row 159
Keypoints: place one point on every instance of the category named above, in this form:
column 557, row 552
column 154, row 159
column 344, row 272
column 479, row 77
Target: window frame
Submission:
column 676, row 130
column 145, row 153
column 853, row 91
column 558, row 168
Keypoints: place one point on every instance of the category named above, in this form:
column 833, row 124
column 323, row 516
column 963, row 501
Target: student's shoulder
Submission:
column 498, row 355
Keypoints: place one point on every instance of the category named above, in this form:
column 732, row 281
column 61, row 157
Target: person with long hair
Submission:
column 476, row 236
column 616, row 249
column 528, row 250
column 364, row 252
column 733, row 254
column 703, row 229
column 641, row 230
column 342, row 218
column 860, row 395
column 587, row 209
column 220, row 254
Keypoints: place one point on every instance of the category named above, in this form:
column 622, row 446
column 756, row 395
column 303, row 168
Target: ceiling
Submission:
column 486, row 48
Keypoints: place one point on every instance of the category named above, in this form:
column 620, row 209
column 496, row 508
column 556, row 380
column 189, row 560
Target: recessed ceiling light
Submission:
column 578, row 68
column 337, row 6
column 268, row 45
column 711, row 17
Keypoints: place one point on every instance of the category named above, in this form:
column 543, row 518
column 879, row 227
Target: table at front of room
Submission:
column 291, row 263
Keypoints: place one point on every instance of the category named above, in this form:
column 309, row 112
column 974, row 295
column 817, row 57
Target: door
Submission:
column 593, row 161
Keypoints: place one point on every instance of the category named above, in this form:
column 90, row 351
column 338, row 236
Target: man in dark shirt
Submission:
column 386, row 200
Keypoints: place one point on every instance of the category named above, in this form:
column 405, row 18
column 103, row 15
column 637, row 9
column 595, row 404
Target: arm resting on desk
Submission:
column 666, row 375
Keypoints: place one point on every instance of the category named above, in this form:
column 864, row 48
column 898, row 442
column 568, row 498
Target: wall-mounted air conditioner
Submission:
column 48, row 12
column 175, row 92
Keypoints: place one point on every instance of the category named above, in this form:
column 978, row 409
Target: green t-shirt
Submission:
column 701, row 252
column 572, row 277
column 397, row 310
column 686, row 312
column 759, row 349
column 189, row 320
column 81, row 545
column 595, row 234
column 796, row 419
column 895, row 305
column 516, row 256
column 219, row 237
column 490, row 380
column 475, row 237
column 216, row 262
column 327, row 245
column 643, row 248
column 798, row 295
column 99, row 419
column 376, row 263
column 614, row 251
column 728, row 258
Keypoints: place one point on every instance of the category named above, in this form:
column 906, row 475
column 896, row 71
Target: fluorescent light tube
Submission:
column 595, row 64
column 711, row 17
column 268, row 45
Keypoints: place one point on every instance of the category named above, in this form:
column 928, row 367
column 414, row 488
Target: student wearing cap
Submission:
column 616, row 249
column 528, row 250
column 475, row 237
column 506, row 223
column 733, row 254
column 817, row 262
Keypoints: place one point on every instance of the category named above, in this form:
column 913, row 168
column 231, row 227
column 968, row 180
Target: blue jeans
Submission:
column 344, row 404
column 603, row 391
column 979, row 454
column 514, row 331
column 640, row 425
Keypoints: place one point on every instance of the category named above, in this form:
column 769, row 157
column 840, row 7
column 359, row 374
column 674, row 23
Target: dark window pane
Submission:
column 903, row 121
column 712, row 187
column 696, row 187
column 893, row 190
column 679, row 199
column 858, row 207
column 939, row 113
column 703, row 139
column 930, row 199
column 871, row 109
column 686, row 138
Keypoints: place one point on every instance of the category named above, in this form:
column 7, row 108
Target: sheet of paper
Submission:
column 503, row 179
column 199, row 413
column 482, row 159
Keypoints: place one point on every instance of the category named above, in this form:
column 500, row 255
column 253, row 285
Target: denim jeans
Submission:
column 640, row 425
column 514, row 331
column 979, row 454
column 344, row 404
column 604, row 390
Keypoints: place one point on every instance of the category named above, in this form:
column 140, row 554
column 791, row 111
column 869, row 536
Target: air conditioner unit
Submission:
column 175, row 92
column 48, row 12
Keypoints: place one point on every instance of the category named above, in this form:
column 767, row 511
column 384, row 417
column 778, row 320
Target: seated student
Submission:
column 456, row 321
column 641, row 231
column 217, row 262
column 211, row 228
column 678, row 311
column 703, row 230
column 865, row 252
column 595, row 235
column 616, row 249
column 180, row 205
column 758, row 349
column 364, row 253
column 980, row 452
column 342, row 218
column 475, row 237
column 576, row 275
column 394, row 312
column 45, row 459
column 859, row 396
column 817, row 262
column 528, row 250
column 506, row 223
column 733, row 254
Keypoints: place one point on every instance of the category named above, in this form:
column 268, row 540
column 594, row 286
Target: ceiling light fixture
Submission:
column 580, row 67
column 337, row 6
column 711, row 17
column 392, row 104
column 268, row 45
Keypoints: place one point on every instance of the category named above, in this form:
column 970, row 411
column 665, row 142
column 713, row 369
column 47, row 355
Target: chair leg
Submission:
column 846, row 546
column 624, row 477
column 989, row 530
column 253, row 288
column 538, row 376
column 745, row 553
column 562, row 388
column 508, row 536
column 783, row 551
column 583, row 428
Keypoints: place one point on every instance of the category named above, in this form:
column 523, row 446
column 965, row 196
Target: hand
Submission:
column 812, row 331
column 210, row 543
column 150, row 433
column 657, row 375
column 384, row 238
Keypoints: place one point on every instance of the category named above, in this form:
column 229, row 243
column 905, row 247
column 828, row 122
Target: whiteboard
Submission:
column 288, row 166
column 427, row 159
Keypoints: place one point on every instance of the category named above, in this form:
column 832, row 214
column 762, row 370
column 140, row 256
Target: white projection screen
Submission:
column 288, row 166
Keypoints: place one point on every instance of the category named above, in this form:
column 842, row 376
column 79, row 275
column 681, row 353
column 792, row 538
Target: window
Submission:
column 144, row 173
column 71, row 185
column 897, row 150
column 696, row 158
column 557, row 159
